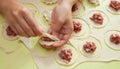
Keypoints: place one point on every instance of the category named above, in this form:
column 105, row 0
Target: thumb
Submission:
column 56, row 22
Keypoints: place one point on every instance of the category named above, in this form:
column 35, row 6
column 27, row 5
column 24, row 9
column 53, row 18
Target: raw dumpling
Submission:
column 47, row 39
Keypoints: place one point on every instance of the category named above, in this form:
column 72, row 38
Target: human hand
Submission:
column 19, row 18
column 61, row 24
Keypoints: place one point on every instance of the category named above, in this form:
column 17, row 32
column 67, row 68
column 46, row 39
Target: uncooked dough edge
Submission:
column 48, row 2
column 46, row 42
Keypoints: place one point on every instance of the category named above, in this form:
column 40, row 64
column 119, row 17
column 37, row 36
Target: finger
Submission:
column 66, row 32
column 14, row 29
column 17, row 28
column 50, row 31
column 56, row 23
column 64, row 36
column 64, row 40
column 32, row 23
column 10, row 22
column 22, row 23
column 60, row 43
column 48, row 47
column 20, row 31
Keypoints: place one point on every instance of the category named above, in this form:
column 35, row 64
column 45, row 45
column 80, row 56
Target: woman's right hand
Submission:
column 19, row 18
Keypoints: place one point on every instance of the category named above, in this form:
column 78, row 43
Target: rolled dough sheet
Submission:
column 91, row 32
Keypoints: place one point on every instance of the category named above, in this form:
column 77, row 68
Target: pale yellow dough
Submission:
column 105, row 19
column 98, row 50
column 33, row 10
column 47, row 15
column 49, row 1
column 108, row 42
column 109, row 9
column 90, row 32
column 85, row 31
column 63, row 62
column 94, row 2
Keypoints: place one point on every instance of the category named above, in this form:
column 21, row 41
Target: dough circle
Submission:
column 108, row 42
column 105, row 17
column 98, row 50
column 61, row 61
column 85, row 31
